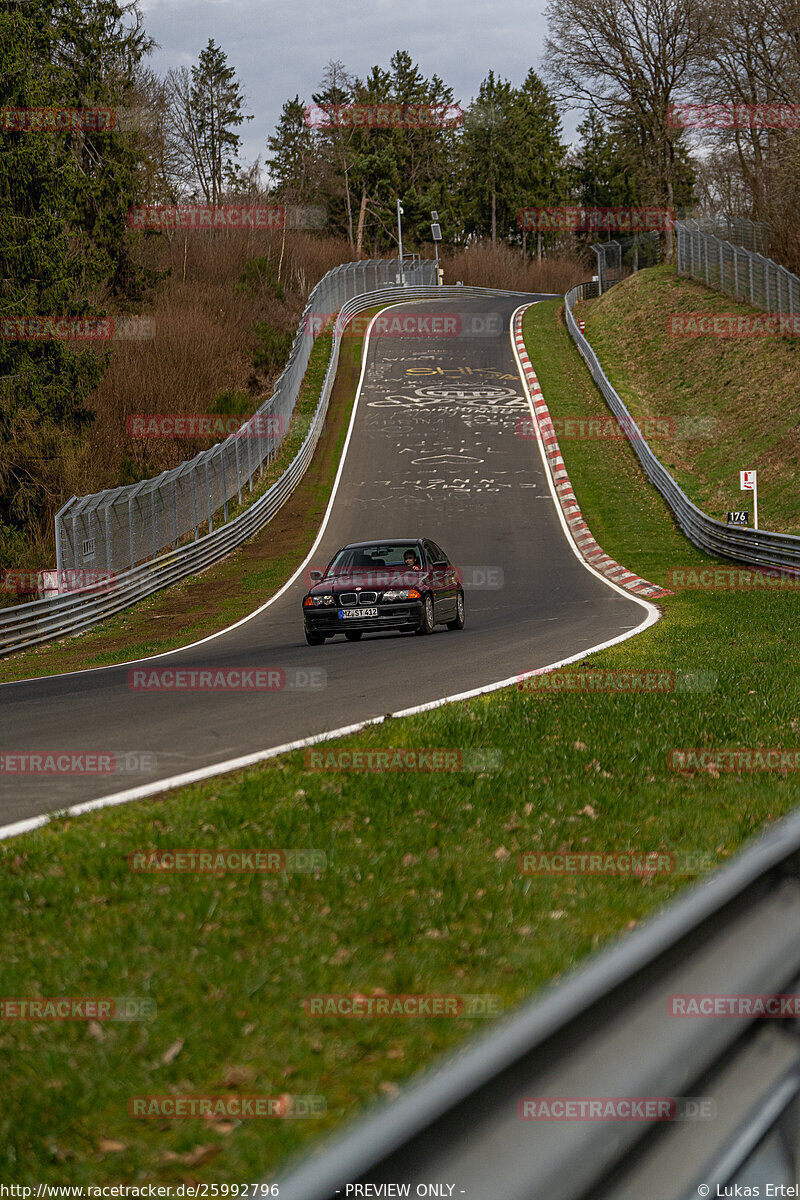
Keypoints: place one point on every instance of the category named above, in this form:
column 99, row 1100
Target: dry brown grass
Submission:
column 203, row 344
column 499, row 266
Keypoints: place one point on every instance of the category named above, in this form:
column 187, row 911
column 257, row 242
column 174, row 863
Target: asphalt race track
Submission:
column 435, row 451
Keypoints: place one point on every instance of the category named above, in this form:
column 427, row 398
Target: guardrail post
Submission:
column 130, row 529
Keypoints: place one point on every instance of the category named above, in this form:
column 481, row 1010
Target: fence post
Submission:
column 108, row 536
column 175, row 510
column 194, row 507
column 238, row 471
column 752, row 291
column 59, row 544
column 153, row 516
column 224, row 487
column 736, row 272
column 208, row 499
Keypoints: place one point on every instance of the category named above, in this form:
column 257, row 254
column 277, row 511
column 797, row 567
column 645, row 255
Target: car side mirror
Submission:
column 316, row 576
column 440, row 566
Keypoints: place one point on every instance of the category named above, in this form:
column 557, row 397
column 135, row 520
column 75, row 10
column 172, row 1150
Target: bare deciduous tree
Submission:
column 629, row 60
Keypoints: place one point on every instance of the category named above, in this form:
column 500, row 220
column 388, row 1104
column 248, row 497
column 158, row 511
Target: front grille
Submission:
column 369, row 597
column 348, row 599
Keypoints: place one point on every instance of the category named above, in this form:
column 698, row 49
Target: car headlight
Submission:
column 318, row 601
column 407, row 594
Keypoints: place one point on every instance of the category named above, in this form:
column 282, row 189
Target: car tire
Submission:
column 314, row 639
column 460, row 617
column 428, row 621
column 354, row 635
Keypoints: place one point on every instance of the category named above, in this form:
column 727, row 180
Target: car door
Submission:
column 445, row 583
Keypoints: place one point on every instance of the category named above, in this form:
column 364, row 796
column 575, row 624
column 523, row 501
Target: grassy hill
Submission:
column 745, row 389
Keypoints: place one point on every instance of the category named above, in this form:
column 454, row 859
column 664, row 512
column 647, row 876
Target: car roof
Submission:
column 382, row 542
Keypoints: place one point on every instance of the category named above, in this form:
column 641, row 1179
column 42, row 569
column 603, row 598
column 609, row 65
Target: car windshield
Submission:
column 381, row 554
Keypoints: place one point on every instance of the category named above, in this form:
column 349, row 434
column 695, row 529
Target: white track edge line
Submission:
column 234, row 764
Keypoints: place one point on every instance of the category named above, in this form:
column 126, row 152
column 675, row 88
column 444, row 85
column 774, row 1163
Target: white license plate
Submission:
column 346, row 614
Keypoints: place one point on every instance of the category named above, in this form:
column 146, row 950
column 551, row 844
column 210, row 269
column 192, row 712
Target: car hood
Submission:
column 371, row 579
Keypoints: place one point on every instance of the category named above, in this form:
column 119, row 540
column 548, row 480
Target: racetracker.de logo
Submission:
column 57, row 763
column 599, row 428
column 219, row 1108
column 733, row 325
column 404, row 759
column 77, row 1008
column 639, row 682
column 715, row 760
column 617, row 1108
column 227, row 679
column 58, row 120
column 734, row 1004
column 733, row 116
column 239, row 217
column 576, row 219
column 223, row 862
column 204, row 425
column 733, row 579
column 389, row 324
column 613, row 862
column 635, row 863
column 382, row 1004
column 383, row 116
column 68, row 579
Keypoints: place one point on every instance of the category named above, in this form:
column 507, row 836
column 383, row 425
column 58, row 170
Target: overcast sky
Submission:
column 279, row 50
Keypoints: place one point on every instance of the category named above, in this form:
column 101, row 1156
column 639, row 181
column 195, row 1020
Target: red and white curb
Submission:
column 580, row 531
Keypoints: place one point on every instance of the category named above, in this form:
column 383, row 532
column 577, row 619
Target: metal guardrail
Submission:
column 757, row 546
column 39, row 621
column 607, row 1032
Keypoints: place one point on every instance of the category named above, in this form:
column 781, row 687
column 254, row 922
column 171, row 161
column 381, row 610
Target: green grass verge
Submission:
column 421, row 893
column 744, row 388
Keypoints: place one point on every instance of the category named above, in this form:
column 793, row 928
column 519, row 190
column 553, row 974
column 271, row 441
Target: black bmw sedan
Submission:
column 408, row 585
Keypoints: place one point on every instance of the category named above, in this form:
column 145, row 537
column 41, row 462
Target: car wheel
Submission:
column 460, row 617
column 314, row 639
column 355, row 635
column 427, row 615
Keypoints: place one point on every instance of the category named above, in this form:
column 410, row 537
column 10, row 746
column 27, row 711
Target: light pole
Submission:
column 436, row 232
column 400, row 241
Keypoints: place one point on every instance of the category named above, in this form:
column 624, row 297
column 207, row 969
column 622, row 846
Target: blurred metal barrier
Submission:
column 611, row 1031
column 757, row 546
column 41, row 620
